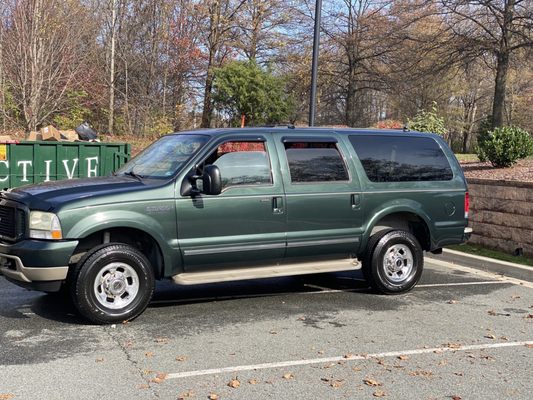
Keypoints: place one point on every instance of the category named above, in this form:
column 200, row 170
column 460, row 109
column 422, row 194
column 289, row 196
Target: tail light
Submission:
column 467, row 204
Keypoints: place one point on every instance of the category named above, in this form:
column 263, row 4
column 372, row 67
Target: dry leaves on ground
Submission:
column 288, row 376
column 334, row 383
column 234, row 383
column 456, row 397
column 490, row 336
column 379, row 393
column 159, row 378
column 181, row 358
column 6, row 396
column 161, row 340
column 99, row 360
column 188, row 394
column 371, row 382
column 403, row 358
column 213, row 396
column 148, row 354
column 253, row 381
column 421, row 372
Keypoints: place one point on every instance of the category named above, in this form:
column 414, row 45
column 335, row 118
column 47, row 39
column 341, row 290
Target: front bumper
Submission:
column 36, row 264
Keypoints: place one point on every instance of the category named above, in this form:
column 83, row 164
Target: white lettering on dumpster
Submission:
column 6, row 163
column 70, row 174
column 24, row 169
column 47, row 164
column 92, row 170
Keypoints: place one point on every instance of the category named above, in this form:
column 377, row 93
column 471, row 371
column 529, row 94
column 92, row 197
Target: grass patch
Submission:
column 467, row 157
column 499, row 255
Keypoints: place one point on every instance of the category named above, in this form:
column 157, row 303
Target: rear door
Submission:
column 245, row 225
column 323, row 197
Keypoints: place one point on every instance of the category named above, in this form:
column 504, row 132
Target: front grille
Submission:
column 8, row 223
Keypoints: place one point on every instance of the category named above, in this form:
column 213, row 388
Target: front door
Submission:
column 243, row 226
column 323, row 197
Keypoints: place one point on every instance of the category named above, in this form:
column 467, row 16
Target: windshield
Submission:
column 165, row 157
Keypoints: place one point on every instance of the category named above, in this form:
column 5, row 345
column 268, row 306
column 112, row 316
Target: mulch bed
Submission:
column 521, row 171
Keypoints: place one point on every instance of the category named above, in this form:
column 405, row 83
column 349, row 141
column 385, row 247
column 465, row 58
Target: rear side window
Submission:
column 315, row 162
column 401, row 159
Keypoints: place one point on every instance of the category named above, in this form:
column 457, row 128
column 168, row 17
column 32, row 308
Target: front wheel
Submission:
column 393, row 262
column 114, row 283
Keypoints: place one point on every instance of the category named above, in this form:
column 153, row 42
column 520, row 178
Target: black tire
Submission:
column 113, row 283
column 393, row 262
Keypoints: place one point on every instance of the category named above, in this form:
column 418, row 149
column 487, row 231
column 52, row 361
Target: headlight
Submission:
column 44, row 225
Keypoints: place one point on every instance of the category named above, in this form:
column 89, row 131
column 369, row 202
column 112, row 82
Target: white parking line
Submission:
column 293, row 363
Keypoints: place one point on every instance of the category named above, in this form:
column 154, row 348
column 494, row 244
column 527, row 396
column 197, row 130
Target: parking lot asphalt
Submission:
column 461, row 333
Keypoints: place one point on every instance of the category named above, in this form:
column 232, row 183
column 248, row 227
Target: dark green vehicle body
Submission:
column 276, row 223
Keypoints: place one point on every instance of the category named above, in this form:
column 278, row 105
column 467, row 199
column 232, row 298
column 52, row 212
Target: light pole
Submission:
column 314, row 70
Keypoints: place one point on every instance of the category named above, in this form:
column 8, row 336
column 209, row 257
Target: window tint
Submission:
column 401, row 159
column 242, row 163
column 315, row 162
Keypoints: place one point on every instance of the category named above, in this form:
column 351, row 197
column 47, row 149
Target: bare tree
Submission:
column 498, row 27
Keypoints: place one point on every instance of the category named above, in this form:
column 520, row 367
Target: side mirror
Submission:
column 212, row 183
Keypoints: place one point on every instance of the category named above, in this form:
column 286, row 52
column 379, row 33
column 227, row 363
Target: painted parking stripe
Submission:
column 324, row 360
column 485, row 274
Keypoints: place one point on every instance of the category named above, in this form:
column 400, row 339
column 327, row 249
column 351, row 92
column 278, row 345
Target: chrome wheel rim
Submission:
column 116, row 285
column 398, row 263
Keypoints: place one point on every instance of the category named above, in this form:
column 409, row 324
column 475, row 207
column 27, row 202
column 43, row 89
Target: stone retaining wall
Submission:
column 501, row 215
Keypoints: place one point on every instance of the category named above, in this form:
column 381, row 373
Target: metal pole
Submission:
column 314, row 71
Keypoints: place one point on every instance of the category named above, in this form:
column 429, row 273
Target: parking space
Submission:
column 461, row 332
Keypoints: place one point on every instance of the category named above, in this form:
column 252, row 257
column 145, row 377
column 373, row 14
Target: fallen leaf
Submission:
column 452, row 301
column 186, row 395
column 234, row 383
column 143, row 386
column 490, row 336
column 453, row 345
column 458, row 373
column 379, row 393
column 349, row 355
column 529, row 316
column 213, row 396
column 504, row 338
column 147, row 372
column 99, row 360
column 161, row 340
column 149, row 354
column 442, row 362
column 159, row 378
column 337, row 383
column 515, row 296
column 381, row 362
column 455, row 397
column 403, row 358
column 371, row 382
column 357, row 369
column 320, row 351
column 6, row 396
column 288, row 376
column 181, row 358
column 529, row 346
column 253, row 382
column 421, row 372
column 273, row 332
column 301, row 318
column 125, row 322
column 492, row 313
column 329, row 365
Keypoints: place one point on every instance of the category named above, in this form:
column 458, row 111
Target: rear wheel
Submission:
column 394, row 261
column 114, row 283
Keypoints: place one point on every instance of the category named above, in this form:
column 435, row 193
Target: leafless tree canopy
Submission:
column 146, row 67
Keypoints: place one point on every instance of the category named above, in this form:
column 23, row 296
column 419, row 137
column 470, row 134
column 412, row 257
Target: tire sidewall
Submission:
column 85, row 297
column 378, row 268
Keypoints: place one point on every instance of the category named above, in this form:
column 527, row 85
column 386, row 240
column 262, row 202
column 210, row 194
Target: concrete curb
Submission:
column 505, row 268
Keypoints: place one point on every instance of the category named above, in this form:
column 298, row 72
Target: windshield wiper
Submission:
column 133, row 174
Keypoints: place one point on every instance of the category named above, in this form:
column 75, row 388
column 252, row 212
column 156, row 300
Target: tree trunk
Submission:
column 214, row 38
column 499, row 90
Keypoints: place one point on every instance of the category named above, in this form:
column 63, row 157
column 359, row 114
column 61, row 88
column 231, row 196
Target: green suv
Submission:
column 233, row 204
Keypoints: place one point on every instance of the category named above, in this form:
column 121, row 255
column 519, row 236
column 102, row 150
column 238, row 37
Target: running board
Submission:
column 227, row 275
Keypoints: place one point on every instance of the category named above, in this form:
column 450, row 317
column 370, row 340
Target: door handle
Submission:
column 277, row 205
column 355, row 200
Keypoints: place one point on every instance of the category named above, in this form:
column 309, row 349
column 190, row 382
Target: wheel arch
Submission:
column 411, row 219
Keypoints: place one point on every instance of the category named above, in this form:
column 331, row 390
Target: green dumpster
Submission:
column 24, row 163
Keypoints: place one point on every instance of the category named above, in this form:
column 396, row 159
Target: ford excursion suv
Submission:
column 234, row 204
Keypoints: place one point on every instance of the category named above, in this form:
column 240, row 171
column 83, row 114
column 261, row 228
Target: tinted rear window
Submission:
column 315, row 162
column 401, row 159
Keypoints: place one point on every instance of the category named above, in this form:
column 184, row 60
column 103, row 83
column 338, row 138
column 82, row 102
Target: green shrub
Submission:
column 428, row 121
column 505, row 146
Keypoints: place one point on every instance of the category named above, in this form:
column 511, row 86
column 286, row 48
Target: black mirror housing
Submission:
column 212, row 182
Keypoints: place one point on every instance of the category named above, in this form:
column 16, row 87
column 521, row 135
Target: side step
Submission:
column 227, row 275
